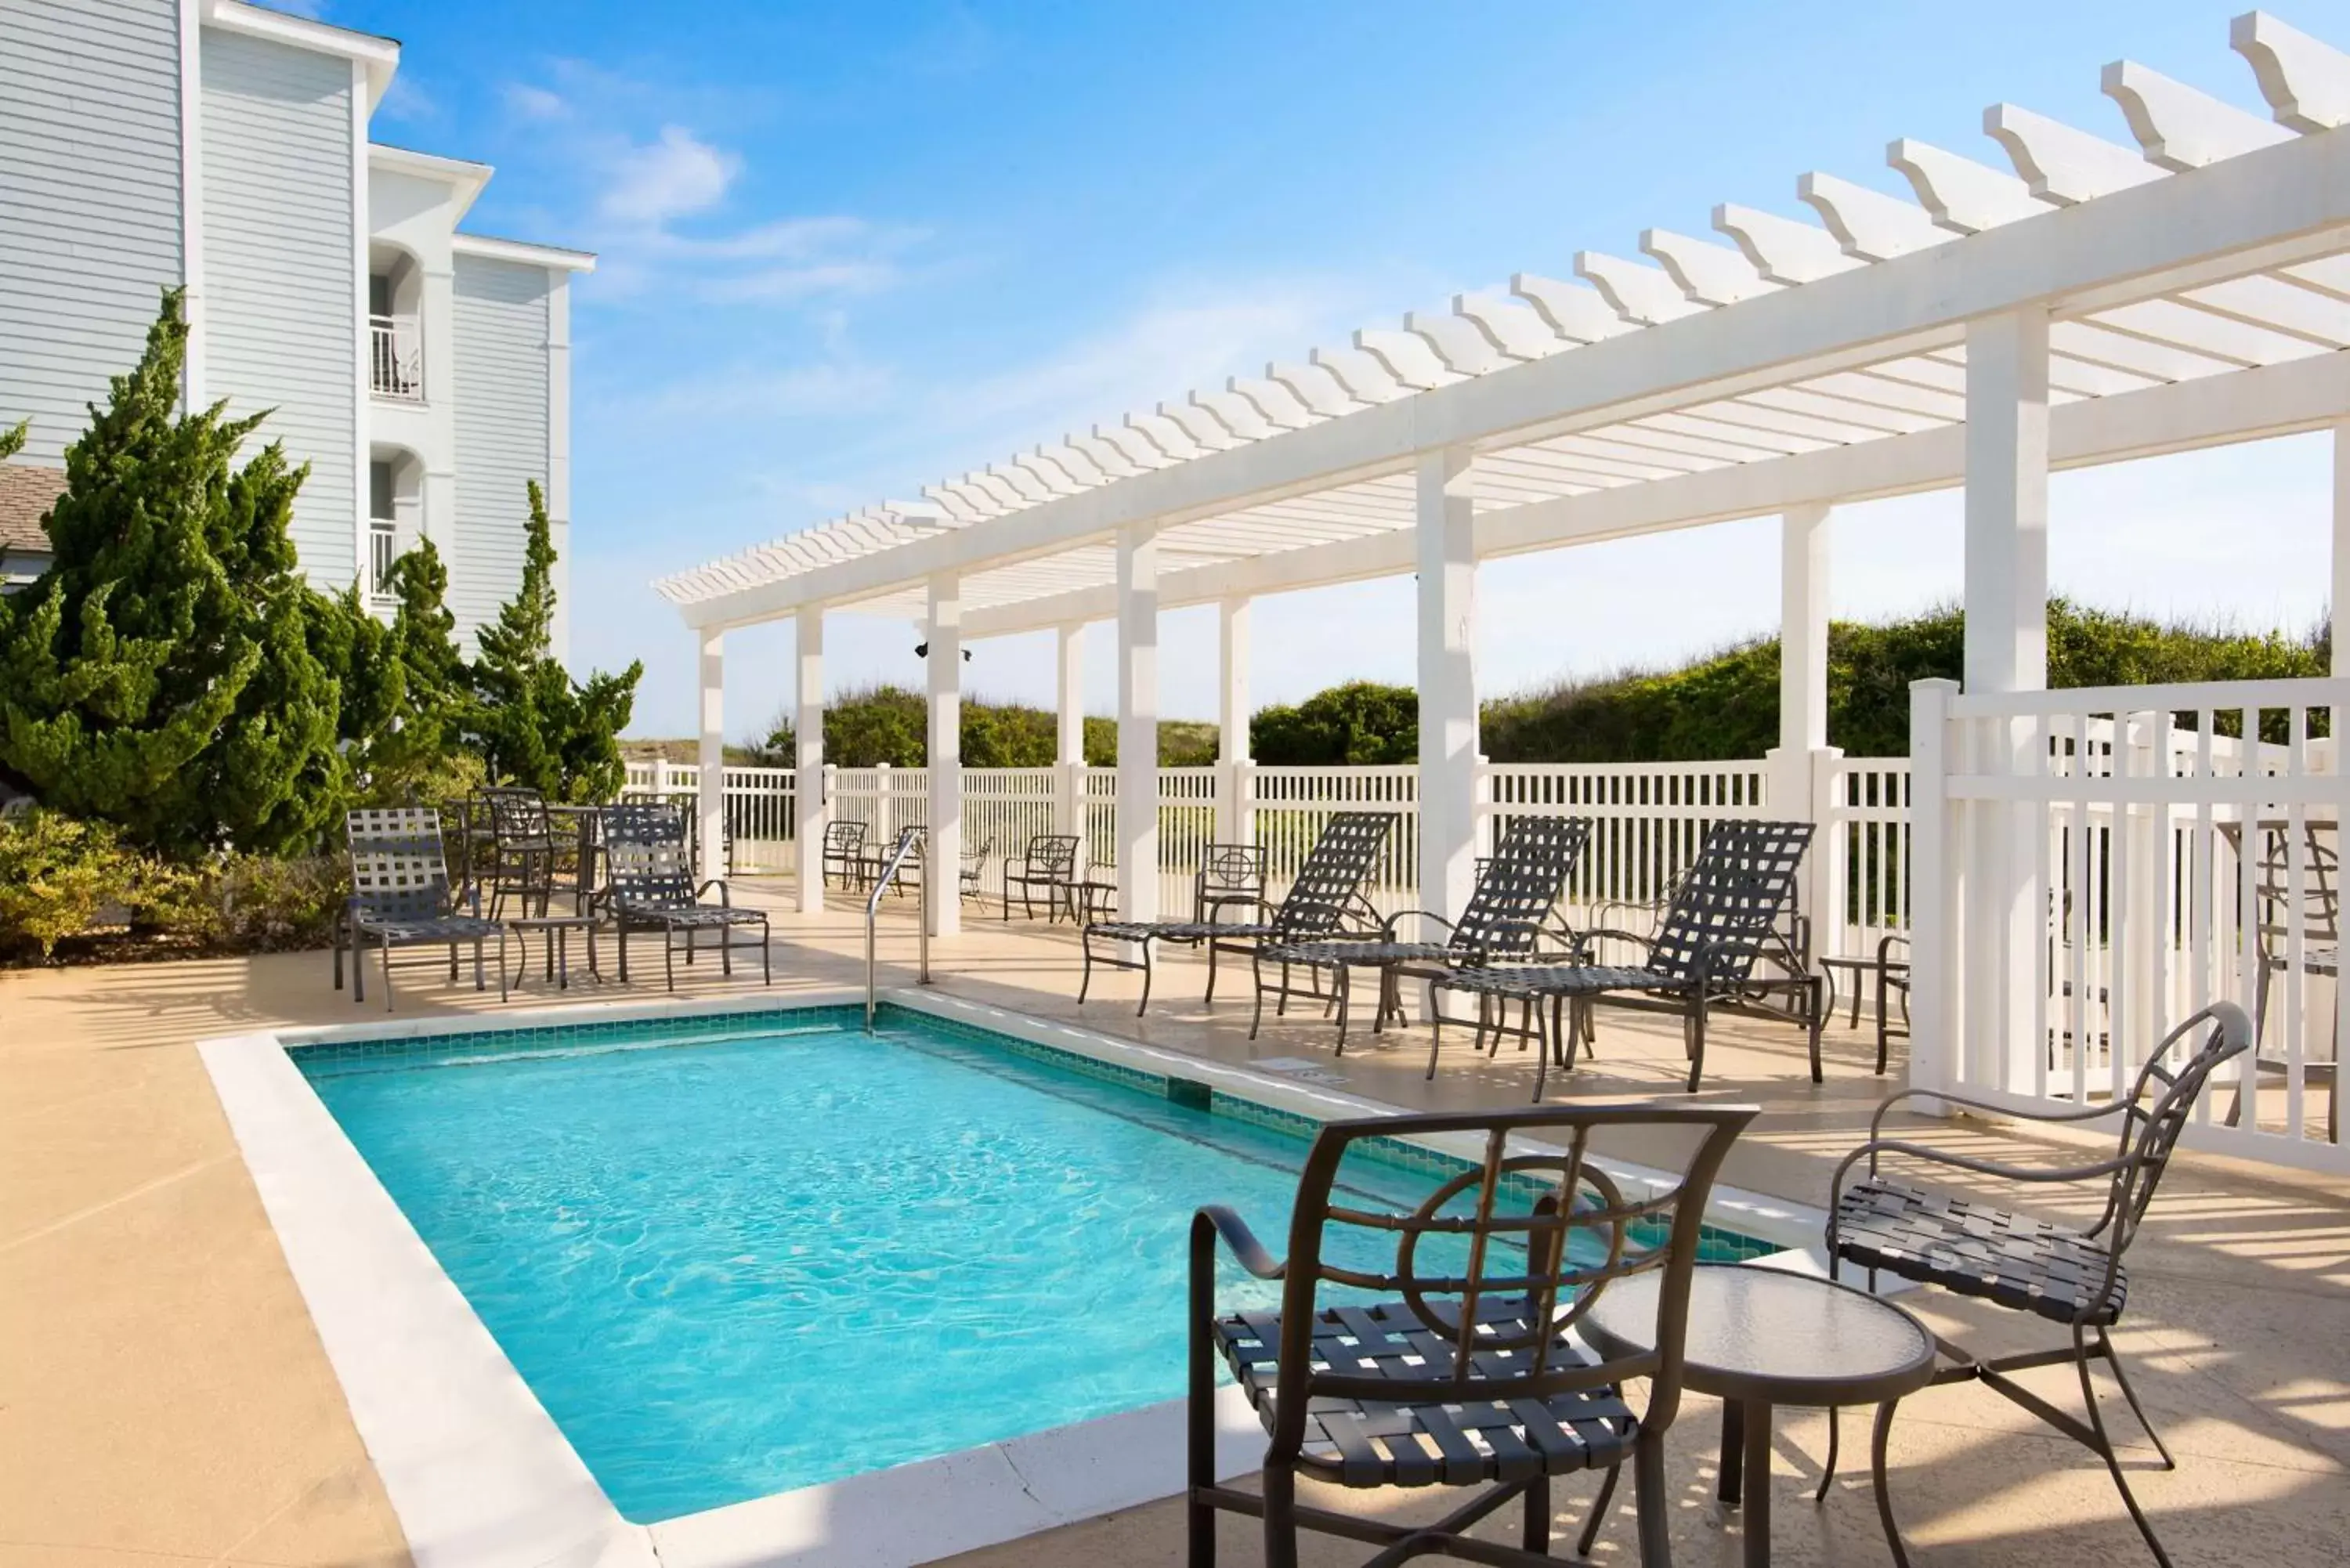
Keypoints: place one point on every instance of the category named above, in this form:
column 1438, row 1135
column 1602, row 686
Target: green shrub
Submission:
column 57, row 874
column 260, row 904
column 1361, row 724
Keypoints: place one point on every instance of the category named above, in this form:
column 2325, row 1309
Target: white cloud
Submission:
column 672, row 177
column 529, row 102
column 406, row 100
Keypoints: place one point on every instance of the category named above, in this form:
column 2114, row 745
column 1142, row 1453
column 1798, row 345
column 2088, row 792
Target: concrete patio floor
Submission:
column 164, row 1400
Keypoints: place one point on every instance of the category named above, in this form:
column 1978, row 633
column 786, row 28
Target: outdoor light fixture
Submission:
column 923, row 650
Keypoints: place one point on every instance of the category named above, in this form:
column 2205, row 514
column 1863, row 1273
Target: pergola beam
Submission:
column 2272, row 205
column 2280, row 399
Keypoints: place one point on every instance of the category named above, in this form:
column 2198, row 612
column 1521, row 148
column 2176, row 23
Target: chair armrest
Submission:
column 1234, row 1231
column 2088, row 1114
column 725, row 898
column 1885, row 948
column 1388, row 927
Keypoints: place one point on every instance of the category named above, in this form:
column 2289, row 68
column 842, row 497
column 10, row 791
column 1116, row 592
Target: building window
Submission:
column 382, row 531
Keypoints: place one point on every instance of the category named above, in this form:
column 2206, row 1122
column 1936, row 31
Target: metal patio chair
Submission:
column 521, row 844
column 1517, row 887
column 844, row 852
column 1461, row 1370
column 1050, row 863
column 973, row 864
column 2070, row 1276
column 1230, row 875
column 2319, row 953
column 1722, row 920
column 401, row 898
column 1325, row 901
column 648, row 887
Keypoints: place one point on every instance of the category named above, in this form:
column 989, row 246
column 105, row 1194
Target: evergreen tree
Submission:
column 422, row 687
column 532, row 724
column 13, row 442
column 160, row 673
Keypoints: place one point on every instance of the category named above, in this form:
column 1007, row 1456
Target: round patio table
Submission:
column 1759, row 1338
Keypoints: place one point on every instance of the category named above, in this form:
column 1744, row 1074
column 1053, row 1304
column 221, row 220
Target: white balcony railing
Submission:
column 396, row 358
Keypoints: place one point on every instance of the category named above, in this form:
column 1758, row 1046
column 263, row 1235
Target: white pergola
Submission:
column 2104, row 301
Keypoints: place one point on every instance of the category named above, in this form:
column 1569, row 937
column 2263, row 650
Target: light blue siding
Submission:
column 501, row 410
column 281, row 272
column 90, row 201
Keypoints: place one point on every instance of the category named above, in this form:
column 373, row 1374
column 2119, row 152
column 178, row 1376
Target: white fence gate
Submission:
column 2093, row 865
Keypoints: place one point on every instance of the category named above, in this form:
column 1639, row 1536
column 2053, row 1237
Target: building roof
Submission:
column 27, row 493
column 2196, row 285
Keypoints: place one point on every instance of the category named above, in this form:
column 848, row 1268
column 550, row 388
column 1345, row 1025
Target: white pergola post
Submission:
column 2006, row 651
column 942, row 856
column 710, row 783
column 1798, row 761
column 1448, row 681
column 1069, row 748
column 2341, row 605
column 1137, row 722
column 815, row 807
column 1235, row 786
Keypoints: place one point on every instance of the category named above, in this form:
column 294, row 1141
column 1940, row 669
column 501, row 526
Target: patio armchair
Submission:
column 1325, row 901
column 2318, row 952
column 1230, row 875
column 521, row 845
column 401, row 898
column 648, row 887
column 1461, row 1370
column 844, row 853
column 1050, row 863
column 1722, row 920
column 1517, row 887
column 2067, row 1275
column 973, row 866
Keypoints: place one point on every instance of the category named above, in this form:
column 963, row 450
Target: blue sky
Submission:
column 851, row 249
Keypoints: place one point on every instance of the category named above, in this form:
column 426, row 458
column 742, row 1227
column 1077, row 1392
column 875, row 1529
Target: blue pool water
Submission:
column 733, row 1258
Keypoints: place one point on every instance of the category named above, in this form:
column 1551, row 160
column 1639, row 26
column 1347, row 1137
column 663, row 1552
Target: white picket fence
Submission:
column 1649, row 820
column 2082, row 885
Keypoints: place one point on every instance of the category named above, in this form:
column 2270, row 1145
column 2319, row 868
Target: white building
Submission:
column 423, row 373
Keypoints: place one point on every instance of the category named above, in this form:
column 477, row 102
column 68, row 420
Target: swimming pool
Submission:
column 738, row 1254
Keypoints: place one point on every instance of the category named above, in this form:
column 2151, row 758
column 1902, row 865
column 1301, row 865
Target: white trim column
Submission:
column 1448, row 681
column 709, row 784
column 810, row 798
column 1137, row 722
column 2006, row 651
column 1796, row 762
column 1069, row 745
column 1235, row 783
column 942, row 851
column 2339, row 610
column 2007, row 503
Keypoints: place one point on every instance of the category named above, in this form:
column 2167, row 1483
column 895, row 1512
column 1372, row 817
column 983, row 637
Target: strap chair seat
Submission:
column 1326, row 901
column 1722, row 920
column 2064, row 1275
column 1367, row 1442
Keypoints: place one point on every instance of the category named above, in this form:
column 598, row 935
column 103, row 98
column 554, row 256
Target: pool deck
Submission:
column 164, row 1399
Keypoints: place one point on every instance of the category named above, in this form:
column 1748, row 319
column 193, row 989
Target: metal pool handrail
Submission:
column 910, row 843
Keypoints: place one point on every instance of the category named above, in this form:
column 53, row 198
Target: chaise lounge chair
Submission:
column 1722, row 919
column 1327, row 896
column 2064, row 1275
column 1461, row 1370
column 1502, row 924
column 401, row 898
column 647, row 888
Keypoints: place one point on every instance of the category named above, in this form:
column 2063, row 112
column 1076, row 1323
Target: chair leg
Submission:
column 1342, row 979
column 1537, row 1531
column 1599, row 1517
column 1256, row 1013
column 358, row 967
column 385, row 948
column 1818, row 993
column 1211, row 998
column 2106, row 1450
column 620, row 941
column 767, row 952
column 1827, row 1470
column 725, row 953
column 1143, row 1006
column 1084, row 946
column 669, row 956
column 1281, row 1517
column 2112, row 1360
column 1654, row 1500
column 1696, row 1039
